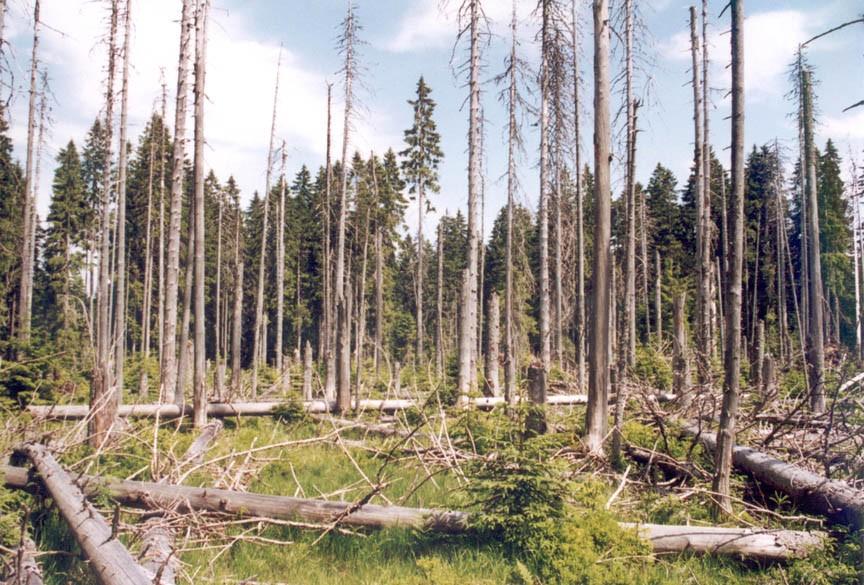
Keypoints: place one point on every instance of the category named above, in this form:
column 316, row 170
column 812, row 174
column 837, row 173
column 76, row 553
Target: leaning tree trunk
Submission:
column 815, row 323
column 598, row 378
column 732, row 359
column 102, row 396
column 199, row 391
column 169, row 343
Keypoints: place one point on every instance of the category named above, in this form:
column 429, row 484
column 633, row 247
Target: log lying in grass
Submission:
column 110, row 561
column 157, row 552
column 835, row 499
column 744, row 542
column 195, row 453
column 25, row 569
column 776, row 545
column 228, row 409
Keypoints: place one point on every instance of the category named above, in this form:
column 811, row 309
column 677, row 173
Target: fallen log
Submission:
column 110, row 561
column 25, row 569
column 157, row 552
column 835, row 499
column 228, row 409
column 195, row 453
column 751, row 543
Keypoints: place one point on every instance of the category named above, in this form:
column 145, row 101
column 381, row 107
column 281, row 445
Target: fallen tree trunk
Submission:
column 157, row 552
column 195, row 453
column 25, row 569
column 228, row 409
column 759, row 544
column 110, row 561
column 835, row 499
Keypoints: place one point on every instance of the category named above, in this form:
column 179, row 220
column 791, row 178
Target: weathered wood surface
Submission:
column 228, row 409
column 109, row 560
column 835, row 499
column 753, row 543
column 157, row 552
column 25, row 570
column 744, row 542
column 195, row 453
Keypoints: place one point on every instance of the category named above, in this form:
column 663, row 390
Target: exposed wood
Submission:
column 25, row 570
column 109, row 560
column 195, row 453
column 598, row 379
column 492, row 385
column 158, row 558
column 747, row 542
column 307, row 371
column 835, row 499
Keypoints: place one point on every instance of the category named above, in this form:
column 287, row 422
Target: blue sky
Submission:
column 406, row 39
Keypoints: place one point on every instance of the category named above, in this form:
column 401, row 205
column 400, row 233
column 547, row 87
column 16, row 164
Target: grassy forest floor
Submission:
column 546, row 512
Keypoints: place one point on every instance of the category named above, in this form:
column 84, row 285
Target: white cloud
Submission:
column 432, row 24
column 240, row 78
column 847, row 126
column 770, row 42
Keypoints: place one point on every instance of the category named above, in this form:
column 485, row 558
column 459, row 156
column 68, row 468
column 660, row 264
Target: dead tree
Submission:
column 470, row 15
column 169, row 342
column 732, row 359
column 681, row 362
column 120, row 244
column 580, row 223
column 703, row 298
column 543, row 205
column 260, row 334
column 658, row 296
column 237, row 319
column 629, row 345
column 103, row 398
column 280, row 273
column 25, row 294
column 439, row 301
column 160, row 309
column 815, row 323
column 307, row 371
column 199, row 392
column 148, row 268
column 598, row 379
column 492, row 342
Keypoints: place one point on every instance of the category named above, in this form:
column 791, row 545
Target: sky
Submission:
column 404, row 39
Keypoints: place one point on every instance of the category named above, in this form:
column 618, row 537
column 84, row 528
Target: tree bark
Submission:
column 236, row 329
column 148, row 275
column 439, row 306
column 732, row 360
column 658, row 296
column 307, row 372
column 681, row 361
column 492, row 346
column 199, row 392
column 280, row 274
column 169, row 343
column 629, row 345
column 598, row 382
column 543, row 207
column 815, row 323
column 108, row 558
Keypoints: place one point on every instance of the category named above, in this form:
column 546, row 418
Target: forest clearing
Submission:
column 569, row 369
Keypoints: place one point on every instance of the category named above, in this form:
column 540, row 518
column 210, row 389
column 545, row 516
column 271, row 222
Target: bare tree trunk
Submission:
column 236, row 330
column 418, row 294
column 855, row 241
column 307, row 372
column 327, row 343
column 361, row 304
column 658, row 296
column 629, row 345
column 280, row 274
column 259, row 353
column 122, row 164
column 706, row 219
column 815, row 334
column 379, row 301
column 439, row 306
column 543, row 207
column 703, row 340
column 148, row 275
column 217, row 328
column 510, row 357
column 199, row 392
column 729, row 411
column 580, row 231
column 492, row 346
column 598, row 383
column 343, row 291
column 681, row 362
column 169, row 343
column 189, row 285
column 25, row 296
column 102, row 396
column 160, row 311
column 646, row 263
column 468, row 330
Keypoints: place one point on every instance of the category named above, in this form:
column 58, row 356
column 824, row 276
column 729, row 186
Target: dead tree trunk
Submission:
column 169, row 343
column 102, row 395
column 188, row 286
column 148, row 273
column 629, row 345
column 492, row 344
column 703, row 298
column 543, row 206
column 580, row 220
column 732, row 361
column 199, row 392
column 468, row 330
column 122, row 166
column 439, row 306
column 343, row 333
column 160, row 310
column 327, row 344
column 219, row 375
column 26, row 570
column 598, row 382
column 109, row 560
column 681, row 362
column 307, row 371
column 815, row 323
column 280, row 274
column 658, row 296
column 258, row 352
column 236, row 328
column 25, row 295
